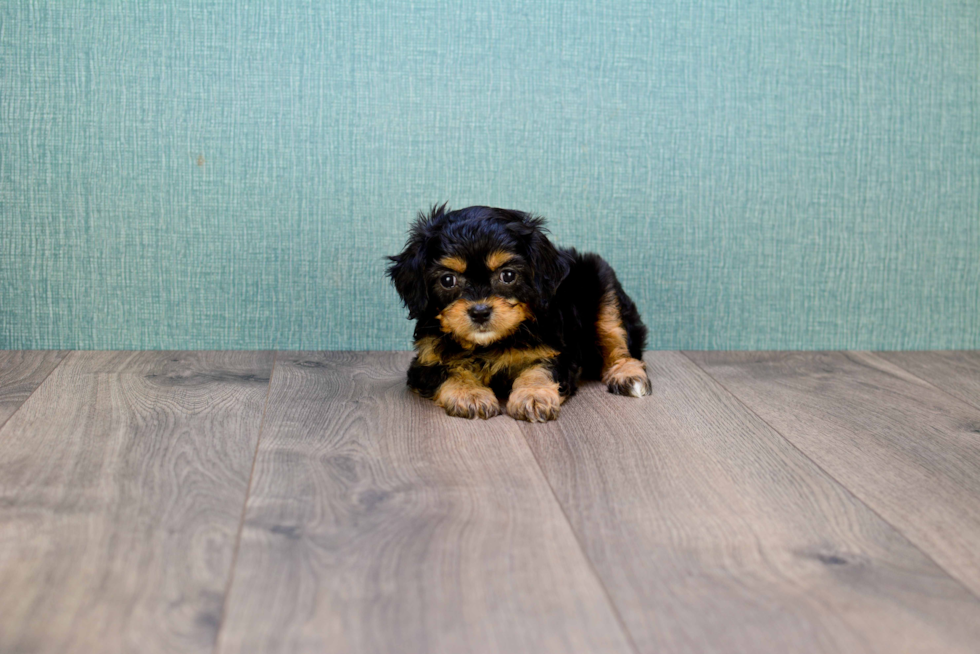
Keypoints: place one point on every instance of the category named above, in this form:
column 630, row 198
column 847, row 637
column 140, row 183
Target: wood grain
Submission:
column 956, row 372
column 376, row 523
column 907, row 449
column 122, row 483
column 713, row 534
column 21, row 371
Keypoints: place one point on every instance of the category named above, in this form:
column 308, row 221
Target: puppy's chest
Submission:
column 507, row 362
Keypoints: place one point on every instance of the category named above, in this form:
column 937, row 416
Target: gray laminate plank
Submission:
column 713, row 534
column 907, row 449
column 956, row 372
column 376, row 523
column 21, row 371
column 122, row 484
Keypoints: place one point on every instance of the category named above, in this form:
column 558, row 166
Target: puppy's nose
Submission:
column 480, row 313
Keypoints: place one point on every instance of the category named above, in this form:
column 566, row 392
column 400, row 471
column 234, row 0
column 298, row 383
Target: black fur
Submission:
column 562, row 287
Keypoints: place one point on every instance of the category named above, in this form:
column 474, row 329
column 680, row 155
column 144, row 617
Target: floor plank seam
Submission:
column 34, row 390
column 241, row 522
column 927, row 382
column 581, row 547
column 846, row 488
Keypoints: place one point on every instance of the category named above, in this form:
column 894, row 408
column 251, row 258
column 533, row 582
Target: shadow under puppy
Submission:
column 505, row 316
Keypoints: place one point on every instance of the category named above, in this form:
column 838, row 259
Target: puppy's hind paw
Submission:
column 628, row 377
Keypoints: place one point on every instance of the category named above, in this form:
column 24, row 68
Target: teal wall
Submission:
column 762, row 173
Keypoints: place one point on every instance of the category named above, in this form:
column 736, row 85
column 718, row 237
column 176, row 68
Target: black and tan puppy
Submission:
column 506, row 317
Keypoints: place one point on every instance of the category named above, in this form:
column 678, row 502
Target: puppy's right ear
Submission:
column 407, row 270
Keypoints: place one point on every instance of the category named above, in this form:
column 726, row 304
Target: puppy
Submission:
column 505, row 317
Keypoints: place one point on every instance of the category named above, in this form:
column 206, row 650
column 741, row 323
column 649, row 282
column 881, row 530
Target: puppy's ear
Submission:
column 407, row 269
column 550, row 264
column 551, row 267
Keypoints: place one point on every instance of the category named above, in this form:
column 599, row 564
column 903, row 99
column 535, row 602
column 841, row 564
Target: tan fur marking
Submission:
column 498, row 258
column 427, row 353
column 610, row 331
column 620, row 372
column 624, row 371
column 506, row 317
column 457, row 264
column 483, row 368
column 515, row 359
column 534, row 396
column 463, row 395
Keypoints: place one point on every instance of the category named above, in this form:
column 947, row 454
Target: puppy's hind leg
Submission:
column 622, row 373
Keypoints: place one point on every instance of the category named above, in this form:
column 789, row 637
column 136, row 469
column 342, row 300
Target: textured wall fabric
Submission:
column 762, row 173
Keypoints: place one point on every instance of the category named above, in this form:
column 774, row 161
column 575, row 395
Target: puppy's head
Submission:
column 481, row 272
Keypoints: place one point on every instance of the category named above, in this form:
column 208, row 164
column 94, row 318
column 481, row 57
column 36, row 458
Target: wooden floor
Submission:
column 308, row 502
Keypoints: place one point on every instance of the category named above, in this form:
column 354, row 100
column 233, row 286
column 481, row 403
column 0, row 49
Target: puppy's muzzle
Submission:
column 480, row 313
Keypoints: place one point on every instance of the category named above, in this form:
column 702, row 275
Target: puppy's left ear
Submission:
column 551, row 267
column 550, row 264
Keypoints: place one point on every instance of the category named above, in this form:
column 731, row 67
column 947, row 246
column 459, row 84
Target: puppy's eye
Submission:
column 508, row 276
column 448, row 281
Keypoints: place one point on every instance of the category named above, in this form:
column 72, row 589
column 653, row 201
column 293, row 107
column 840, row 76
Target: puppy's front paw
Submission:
column 628, row 377
column 468, row 401
column 534, row 404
